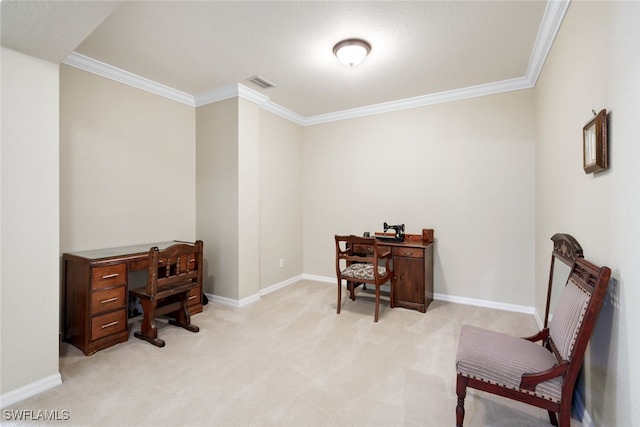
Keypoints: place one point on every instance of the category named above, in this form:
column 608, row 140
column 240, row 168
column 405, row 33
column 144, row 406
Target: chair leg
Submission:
column 182, row 316
column 564, row 416
column 375, row 317
column 352, row 290
column 552, row 418
column 339, row 296
column 148, row 330
column 461, row 391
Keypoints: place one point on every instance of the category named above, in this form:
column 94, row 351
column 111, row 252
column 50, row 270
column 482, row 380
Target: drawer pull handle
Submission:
column 407, row 252
column 109, row 276
column 192, row 297
column 109, row 324
column 104, row 301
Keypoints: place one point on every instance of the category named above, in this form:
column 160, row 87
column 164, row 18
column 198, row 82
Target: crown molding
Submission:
column 421, row 101
column 553, row 16
column 105, row 70
column 235, row 90
column 549, row 27
column 251, row 95
column 279, row 110
column 241, row 91
column 216, row 95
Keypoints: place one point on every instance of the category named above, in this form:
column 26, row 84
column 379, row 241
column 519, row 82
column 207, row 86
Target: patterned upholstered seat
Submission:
column 519, row 368
column 362, row 271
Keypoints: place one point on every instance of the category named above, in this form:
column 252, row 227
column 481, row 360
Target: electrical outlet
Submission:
column 281, row 262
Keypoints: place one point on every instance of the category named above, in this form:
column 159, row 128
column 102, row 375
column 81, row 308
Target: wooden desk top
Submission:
column 119, row 254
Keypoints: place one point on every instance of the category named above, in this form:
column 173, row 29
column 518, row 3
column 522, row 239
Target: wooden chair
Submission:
column 355, row 261
column 540, row 375
column 173, row 272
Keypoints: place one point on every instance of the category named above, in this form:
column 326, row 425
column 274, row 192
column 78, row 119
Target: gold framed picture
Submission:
column 594, row 140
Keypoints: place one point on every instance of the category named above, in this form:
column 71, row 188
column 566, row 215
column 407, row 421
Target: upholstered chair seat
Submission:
column 502, row 359
column 362, row 271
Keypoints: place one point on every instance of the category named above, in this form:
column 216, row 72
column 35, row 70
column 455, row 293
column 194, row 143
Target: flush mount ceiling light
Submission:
column 351, row 52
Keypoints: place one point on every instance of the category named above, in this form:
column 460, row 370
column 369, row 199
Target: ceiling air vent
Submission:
column 262, row 82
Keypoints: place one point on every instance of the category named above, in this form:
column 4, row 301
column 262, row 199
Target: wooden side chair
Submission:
column 542, row 375
column 173, row 273
column 356, row 258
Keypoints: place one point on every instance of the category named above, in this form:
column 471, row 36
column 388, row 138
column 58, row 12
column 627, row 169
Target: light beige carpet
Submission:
column 287, row 360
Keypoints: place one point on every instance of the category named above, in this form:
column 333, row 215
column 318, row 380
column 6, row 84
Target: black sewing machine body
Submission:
column 399, row 233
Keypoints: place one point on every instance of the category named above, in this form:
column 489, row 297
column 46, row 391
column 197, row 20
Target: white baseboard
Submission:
column 484, row 303
column 449, row 298
column 230, row 302
column 284, row 283
column 538, row 318
column 319, row 278
column 30, row 390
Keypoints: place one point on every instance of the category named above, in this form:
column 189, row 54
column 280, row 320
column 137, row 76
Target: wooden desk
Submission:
column 95, row 287
column 413, row 270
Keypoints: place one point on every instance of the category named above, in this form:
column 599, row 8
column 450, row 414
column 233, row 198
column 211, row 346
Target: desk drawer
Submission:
column 368, row 249
column 409, row 252
column 195, row 296
column 107, row 300
column 363, row 249
column 107, row 276
column 139, row 265
column 108, row 324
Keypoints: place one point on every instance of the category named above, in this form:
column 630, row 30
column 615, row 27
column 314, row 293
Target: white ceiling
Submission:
column 421, row 50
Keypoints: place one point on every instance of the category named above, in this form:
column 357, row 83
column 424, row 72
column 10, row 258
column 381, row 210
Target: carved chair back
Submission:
column 179, row 264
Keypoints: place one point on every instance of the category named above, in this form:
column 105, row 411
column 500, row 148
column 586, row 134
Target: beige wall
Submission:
column 127, row 164
column 463, row 168
column 280, row 199
column 248, row 198
column 29, row 266
column 595, row 64
column 217, row 195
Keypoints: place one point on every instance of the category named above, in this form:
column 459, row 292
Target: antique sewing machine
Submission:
column 399, row 233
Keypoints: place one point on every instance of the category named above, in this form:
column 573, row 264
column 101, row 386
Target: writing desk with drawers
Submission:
column 413, row 269
column 95, row 287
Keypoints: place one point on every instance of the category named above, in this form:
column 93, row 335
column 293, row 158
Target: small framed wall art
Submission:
column 594, row 142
